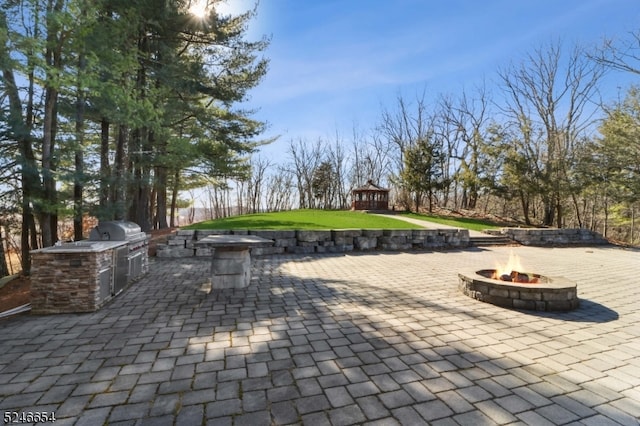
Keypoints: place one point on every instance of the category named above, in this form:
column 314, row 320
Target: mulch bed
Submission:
column 16, row 292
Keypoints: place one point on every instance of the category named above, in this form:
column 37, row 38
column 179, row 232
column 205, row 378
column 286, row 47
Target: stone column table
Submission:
column 231, row 261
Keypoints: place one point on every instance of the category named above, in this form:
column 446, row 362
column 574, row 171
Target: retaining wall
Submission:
column 553, row 236
column 182, row 243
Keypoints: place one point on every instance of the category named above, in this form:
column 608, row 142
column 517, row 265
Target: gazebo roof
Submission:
column 371, row 187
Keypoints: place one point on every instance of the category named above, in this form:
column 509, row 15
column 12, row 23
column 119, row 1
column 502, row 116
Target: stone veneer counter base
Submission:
column 66, row 280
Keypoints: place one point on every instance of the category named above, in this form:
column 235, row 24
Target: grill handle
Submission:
column 104, row 235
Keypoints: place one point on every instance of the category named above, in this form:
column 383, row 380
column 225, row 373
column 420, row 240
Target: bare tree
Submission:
column 622, row 56
column 255, row 188
column 340, row 161
column 446, row 134
column 468, row 119
column 370, row 160
column 548, row 103
column 279, row 190
column 306, row 158
column 401, row 129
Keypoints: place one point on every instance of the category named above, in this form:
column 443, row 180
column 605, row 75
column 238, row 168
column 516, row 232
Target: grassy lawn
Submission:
column 459, row 222
column 305, row 219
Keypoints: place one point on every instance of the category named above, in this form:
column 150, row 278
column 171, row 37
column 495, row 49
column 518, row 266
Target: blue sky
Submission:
column 337, row 63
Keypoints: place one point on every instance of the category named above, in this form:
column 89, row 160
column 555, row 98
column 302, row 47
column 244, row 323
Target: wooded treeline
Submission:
column 109, row 107
column 550, row 152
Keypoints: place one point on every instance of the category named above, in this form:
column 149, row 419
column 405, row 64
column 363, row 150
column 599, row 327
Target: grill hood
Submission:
column 117, row 230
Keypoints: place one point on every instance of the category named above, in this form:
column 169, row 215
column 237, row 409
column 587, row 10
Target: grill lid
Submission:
column 116, row 230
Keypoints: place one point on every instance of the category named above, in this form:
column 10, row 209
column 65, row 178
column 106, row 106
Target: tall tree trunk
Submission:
column 140, row 187
column 78, row 184
column 464, row 200
column 53, row 59
column 140, row 191
column 78, row 188
column 135, row 174
column 473, row 199
column 4, row 269
column 549, row 210
column 139, row 147
column 118, row 190
column 174, row 197
column 145, row 199
column 153, row 198
column 21, row 130
column 633, row 223
column 524, row 200
column 48, row 203
column 105, row 172
column 576, row 206
column 559, row 211
column 161, row 196
column 605, row 231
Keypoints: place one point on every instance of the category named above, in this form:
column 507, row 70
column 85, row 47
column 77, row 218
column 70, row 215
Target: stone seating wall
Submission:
column 553, row 236
column 182, row 243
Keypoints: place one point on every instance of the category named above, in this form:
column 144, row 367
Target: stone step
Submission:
column 490, row 240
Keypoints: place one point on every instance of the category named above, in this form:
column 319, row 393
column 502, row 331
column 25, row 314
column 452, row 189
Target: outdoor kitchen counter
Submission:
column 231, row 259
column 84, row 275
column 83, row 246
column 73, row 277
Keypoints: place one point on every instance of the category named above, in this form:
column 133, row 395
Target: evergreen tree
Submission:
column 422, row 174
column 610, row 166
column 159, row 86
column 323, row 180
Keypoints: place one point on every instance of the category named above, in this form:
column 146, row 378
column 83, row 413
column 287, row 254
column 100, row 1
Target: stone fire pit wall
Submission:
column 553, row 236
column 559, row 294
column 182, row 243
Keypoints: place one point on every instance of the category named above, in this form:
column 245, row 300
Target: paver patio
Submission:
column 380, row 338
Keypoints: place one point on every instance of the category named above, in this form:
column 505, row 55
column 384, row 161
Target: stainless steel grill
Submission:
column 129, row 261
column 117, row 230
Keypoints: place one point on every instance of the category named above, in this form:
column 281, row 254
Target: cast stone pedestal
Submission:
column 231, row 261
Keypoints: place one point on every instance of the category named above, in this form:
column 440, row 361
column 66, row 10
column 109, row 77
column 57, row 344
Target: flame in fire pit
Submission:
column 512, row 265
column 512, row 271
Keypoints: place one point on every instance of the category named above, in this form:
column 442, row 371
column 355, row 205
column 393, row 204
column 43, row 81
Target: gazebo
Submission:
column 370, row 197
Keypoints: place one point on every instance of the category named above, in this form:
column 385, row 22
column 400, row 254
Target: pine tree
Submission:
column 422, row 174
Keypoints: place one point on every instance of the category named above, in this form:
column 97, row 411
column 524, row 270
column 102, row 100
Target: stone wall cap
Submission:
column 233, row 241
column 553, row 283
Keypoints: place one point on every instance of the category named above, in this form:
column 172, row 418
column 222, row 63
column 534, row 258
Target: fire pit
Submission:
column 509, row 287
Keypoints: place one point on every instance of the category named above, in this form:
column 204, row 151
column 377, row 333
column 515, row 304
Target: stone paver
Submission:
column 378, row 338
